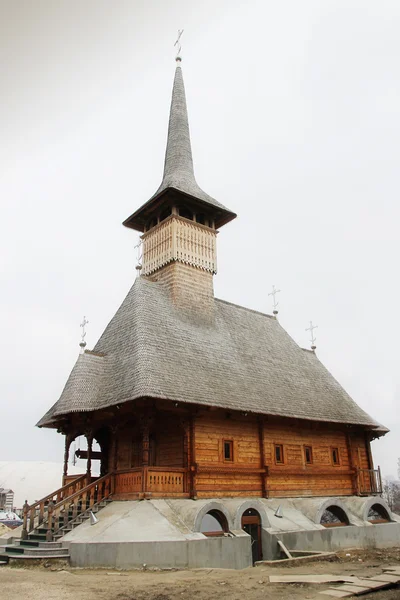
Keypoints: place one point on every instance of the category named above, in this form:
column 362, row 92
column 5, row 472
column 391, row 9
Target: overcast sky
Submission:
column 294, row 110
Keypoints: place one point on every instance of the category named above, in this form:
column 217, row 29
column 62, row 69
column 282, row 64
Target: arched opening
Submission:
column 214, row 524
column 201, row 219
column 378, row 514
column 166, row 213
column 251, row 524
column 152, row 223
column 334, row 516
column 185, row 213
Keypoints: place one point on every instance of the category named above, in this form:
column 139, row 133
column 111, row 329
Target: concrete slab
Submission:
column 129, row 521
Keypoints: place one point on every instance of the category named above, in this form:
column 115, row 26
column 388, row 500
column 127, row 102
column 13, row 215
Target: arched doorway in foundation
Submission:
column 251, row 524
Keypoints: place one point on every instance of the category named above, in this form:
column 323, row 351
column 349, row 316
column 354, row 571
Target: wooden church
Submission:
column 190, row 396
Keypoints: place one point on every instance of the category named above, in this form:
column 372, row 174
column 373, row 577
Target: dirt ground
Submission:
column 42, row 583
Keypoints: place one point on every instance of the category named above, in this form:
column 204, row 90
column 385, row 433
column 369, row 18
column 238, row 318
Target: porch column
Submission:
column 114, row 431
column 68, row 441
column 145, row 442
column 89, row 437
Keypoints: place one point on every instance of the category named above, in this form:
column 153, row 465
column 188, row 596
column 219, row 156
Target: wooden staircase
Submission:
column 52, row 517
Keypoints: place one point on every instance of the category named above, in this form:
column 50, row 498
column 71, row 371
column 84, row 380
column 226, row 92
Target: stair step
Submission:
column 40, row 537
column 32, row 544
column 32, row 557
column 14, row 550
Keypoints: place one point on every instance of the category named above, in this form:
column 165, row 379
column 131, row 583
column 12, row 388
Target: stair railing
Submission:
column 35, row 514
column 69, row 508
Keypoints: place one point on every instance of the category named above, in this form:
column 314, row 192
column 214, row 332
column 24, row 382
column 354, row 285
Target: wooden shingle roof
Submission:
column 244, row 361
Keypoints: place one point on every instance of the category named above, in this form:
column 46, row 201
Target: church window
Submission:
column 152, row 223
column 166, row 213
column 308, row 455
column 201, row 219
column 335, row 456
column 214, row 524
column 279, row 459
column 228, row 450
column 186, row 214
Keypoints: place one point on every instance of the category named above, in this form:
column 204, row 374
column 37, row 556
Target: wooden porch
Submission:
column 151, row 482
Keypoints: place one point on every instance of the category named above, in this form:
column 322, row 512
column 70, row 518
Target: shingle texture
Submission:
column 178, row 165
column 243, row 361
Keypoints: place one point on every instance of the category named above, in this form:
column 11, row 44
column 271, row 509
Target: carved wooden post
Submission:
column 114, row 466
column 68, row 442
column 89, row 437
column 185, row 424
column 264, row 491
column 145, row 443
column 24, row 533
column 192, row 490
column 354, row 476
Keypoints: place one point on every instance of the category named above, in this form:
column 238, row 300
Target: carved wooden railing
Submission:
column 369, row 481
column 142, row 480
column 129, row 481
column 169, row 481
column 70, row 508
column 177, row 238
column 36, row 514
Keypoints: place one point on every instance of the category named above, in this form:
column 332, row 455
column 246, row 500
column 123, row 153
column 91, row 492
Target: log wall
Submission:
column 293, row 477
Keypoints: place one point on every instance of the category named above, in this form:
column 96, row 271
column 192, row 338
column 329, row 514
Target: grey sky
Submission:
column 294, row 110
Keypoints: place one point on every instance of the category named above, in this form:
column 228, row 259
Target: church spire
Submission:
column 178, row 164
column 178, row 177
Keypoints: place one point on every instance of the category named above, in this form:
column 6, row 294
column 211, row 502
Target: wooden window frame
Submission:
column 232, row 451
column 311, row 461
column 282, row 461
column 333, row 449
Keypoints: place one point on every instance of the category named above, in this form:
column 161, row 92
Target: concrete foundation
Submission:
column 166, row 533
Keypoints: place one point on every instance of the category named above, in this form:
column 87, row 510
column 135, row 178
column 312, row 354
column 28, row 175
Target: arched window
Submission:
column 166, row 213
column 214, row 524
column 334, row 516
column 378, row 514
column 185, row 213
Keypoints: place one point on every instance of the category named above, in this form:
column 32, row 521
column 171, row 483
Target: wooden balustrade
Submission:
column 177, row 238
column 35, row 514
column 129, row 481
column 369, row 481
column 70, row 507
column 167, row 481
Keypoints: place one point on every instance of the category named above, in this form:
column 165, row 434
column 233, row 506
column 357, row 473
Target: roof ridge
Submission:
column 253, row 310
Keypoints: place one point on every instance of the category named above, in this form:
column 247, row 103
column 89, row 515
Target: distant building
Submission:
column 6, row 499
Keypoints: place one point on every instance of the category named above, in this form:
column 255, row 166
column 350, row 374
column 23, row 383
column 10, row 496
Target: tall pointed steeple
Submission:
column 178, row 167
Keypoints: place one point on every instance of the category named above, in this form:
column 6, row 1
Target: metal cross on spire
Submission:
column 178, row 44
column 274, row 301
column 139, row 255
column 83, row 334
column 313, row 339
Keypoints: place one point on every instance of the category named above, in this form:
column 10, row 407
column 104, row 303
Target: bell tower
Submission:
column 180, row 222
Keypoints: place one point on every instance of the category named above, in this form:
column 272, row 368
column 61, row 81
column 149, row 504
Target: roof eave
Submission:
column 137, row 219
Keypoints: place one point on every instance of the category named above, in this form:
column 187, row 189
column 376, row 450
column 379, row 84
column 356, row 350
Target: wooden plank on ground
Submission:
column 354, row 589
column 313, row 579
column 337, row 593
column 387, row 577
